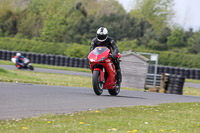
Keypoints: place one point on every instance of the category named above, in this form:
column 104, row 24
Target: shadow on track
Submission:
column 124, row 97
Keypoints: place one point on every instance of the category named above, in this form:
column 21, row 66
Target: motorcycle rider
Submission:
column 102, row 39
column 19, row 59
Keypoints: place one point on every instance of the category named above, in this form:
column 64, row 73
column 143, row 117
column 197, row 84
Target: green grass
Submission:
column 6, row 62
column 3, row 71
column 191, row 91
column 164, row 118
column 51, row 67
column 20, row 76
column 193, row 81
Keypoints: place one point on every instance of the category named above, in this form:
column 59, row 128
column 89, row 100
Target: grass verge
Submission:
column 193, row 81
column 21, row 76
column 51, row 67
column 168, row 118
column 191, row 91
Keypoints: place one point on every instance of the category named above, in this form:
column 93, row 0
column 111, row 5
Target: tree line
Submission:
column 73, row 23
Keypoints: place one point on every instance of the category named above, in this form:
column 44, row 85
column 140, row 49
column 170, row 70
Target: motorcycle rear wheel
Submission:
column 31, row 67
column 97, row 84
column 115, row 91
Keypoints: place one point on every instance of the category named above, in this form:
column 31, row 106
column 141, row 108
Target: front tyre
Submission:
column 115, row 91
column 18, row 66
column 97, row 84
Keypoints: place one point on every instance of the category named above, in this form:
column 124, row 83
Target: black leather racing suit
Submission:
column 110, row 43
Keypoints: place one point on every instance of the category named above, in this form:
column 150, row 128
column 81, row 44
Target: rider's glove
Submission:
column 21, row 64
column 114, row 56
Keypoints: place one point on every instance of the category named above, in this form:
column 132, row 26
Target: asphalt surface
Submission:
column 27, row 100
column 193, row 85
column 50, row 71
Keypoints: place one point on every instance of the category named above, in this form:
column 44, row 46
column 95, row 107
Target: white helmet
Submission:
column 18, row 54
column 102, row 34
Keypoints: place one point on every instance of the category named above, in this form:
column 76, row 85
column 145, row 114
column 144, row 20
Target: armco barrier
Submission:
column 57, row 60
column 76, row 62
column 67, row 61
column 166, row 69
column 197, row 74
column 171, row 70
column 83, row 63
column 62, row 60
column 185, row 72
column 71, row 62
column 47, row 59
column 192, row 73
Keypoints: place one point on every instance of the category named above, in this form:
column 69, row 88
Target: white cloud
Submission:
column 127, row 4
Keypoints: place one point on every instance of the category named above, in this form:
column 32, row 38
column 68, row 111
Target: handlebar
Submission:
column 110, row 55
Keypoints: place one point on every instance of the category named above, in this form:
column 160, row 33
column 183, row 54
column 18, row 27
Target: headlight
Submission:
column 102, row 59
column 92, row 60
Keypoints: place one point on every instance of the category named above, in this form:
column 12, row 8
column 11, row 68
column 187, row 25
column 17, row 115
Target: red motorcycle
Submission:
column 103, row 70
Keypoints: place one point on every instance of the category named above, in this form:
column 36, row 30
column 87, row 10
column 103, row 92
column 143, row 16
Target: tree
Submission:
column 176, row 39
column 164, row 34
column 149, row 34
column 8, row 19
column 194, row 43
column 76, row 27
column 162, row 37
column 157, row 12
column 55, row 20
column 29, row 24
column 100, row 8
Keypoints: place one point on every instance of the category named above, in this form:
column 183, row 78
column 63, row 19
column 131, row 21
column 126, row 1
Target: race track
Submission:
column 26, row 100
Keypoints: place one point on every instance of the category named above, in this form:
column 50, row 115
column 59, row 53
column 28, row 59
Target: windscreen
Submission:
column 99, row 50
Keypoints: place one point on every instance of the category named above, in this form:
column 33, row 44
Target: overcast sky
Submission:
column 187, row 12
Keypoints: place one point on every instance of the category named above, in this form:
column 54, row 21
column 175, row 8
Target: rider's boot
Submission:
column 119, row 77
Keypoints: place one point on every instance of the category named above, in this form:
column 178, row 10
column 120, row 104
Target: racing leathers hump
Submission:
column 109, row 42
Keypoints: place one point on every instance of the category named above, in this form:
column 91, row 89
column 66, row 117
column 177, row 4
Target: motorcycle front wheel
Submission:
column 18, row 66
column 97, row 84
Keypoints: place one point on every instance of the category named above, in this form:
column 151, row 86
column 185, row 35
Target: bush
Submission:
column 15, row 44
column 126, row 45
column 77, row 50
column 153, row 44
column 170, row 58
column 176, row 39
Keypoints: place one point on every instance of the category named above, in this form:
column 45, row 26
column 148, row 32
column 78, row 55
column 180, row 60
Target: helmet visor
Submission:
column 101, row 37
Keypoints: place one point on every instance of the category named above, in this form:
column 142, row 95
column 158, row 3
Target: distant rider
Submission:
column 102, row 39
column 19, row 60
